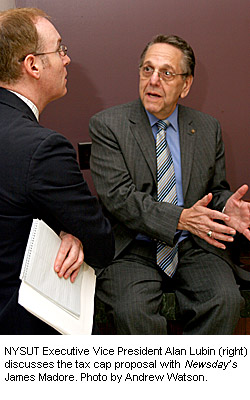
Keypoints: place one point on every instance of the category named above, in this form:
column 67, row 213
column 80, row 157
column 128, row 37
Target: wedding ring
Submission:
column 209, row 234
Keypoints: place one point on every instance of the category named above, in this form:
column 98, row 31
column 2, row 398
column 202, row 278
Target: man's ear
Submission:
column 31, row 66
column 187, row 85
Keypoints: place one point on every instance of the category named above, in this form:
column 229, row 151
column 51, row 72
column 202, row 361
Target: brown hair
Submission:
column 18, row 37
column 179, row 43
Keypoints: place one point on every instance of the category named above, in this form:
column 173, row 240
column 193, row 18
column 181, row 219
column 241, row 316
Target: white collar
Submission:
column 29, row 103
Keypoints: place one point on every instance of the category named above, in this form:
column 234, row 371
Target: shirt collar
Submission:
column 29, row 103
column 172, row 119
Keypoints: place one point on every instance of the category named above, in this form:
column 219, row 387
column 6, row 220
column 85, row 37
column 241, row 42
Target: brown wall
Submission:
column 105, row 39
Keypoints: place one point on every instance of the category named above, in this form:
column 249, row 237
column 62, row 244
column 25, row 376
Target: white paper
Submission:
column 55, row 316
column 38, row 269
column 66, row 306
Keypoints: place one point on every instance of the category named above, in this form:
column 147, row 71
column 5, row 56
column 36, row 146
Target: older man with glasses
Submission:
column 159, row 170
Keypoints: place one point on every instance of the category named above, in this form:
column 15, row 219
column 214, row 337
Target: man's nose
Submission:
column 155, row 78
column 66, row 59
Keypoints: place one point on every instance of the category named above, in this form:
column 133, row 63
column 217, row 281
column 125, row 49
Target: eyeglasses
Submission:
column 62, row 50
column 146, row 72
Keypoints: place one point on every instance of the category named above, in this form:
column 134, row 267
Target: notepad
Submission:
column 68, row 307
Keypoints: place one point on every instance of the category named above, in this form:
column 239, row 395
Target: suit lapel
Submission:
column 188, row 134
column 142, row 133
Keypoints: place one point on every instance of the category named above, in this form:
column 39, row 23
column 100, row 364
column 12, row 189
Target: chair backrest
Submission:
column 84, row 151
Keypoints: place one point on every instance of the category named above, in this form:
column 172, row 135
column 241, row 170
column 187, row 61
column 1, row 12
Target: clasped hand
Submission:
column 201, row 220
column 69, row 257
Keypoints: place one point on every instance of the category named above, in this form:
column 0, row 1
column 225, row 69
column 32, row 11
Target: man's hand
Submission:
column 199, row 220
column 69, row 257
column 239, row 212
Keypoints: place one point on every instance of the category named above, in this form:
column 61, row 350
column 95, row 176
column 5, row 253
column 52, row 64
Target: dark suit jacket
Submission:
column 40, row 178
column 123, row 165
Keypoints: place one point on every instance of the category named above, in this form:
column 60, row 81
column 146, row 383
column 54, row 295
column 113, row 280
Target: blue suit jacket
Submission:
column 40, row 178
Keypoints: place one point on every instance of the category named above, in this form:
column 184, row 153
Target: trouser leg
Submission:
column 132, row 288
column 207, row 293
column 206, row 290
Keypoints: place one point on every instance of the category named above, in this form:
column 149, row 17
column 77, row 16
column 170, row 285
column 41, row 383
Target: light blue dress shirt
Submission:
column 173, row 139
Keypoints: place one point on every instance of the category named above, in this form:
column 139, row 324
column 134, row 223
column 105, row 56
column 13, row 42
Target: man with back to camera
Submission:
column 159, row 170
column 40, row 176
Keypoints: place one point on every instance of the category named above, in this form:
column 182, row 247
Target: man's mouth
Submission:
column 153, row 95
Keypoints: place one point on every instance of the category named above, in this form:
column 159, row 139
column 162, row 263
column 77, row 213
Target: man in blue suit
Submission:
column 40, row 176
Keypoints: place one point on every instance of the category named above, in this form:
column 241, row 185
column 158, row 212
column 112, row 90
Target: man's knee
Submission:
column 137, row 319
column 127, row 311
column 230, row 299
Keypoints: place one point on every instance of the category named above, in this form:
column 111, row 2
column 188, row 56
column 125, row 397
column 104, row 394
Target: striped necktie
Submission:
column 167, row 257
